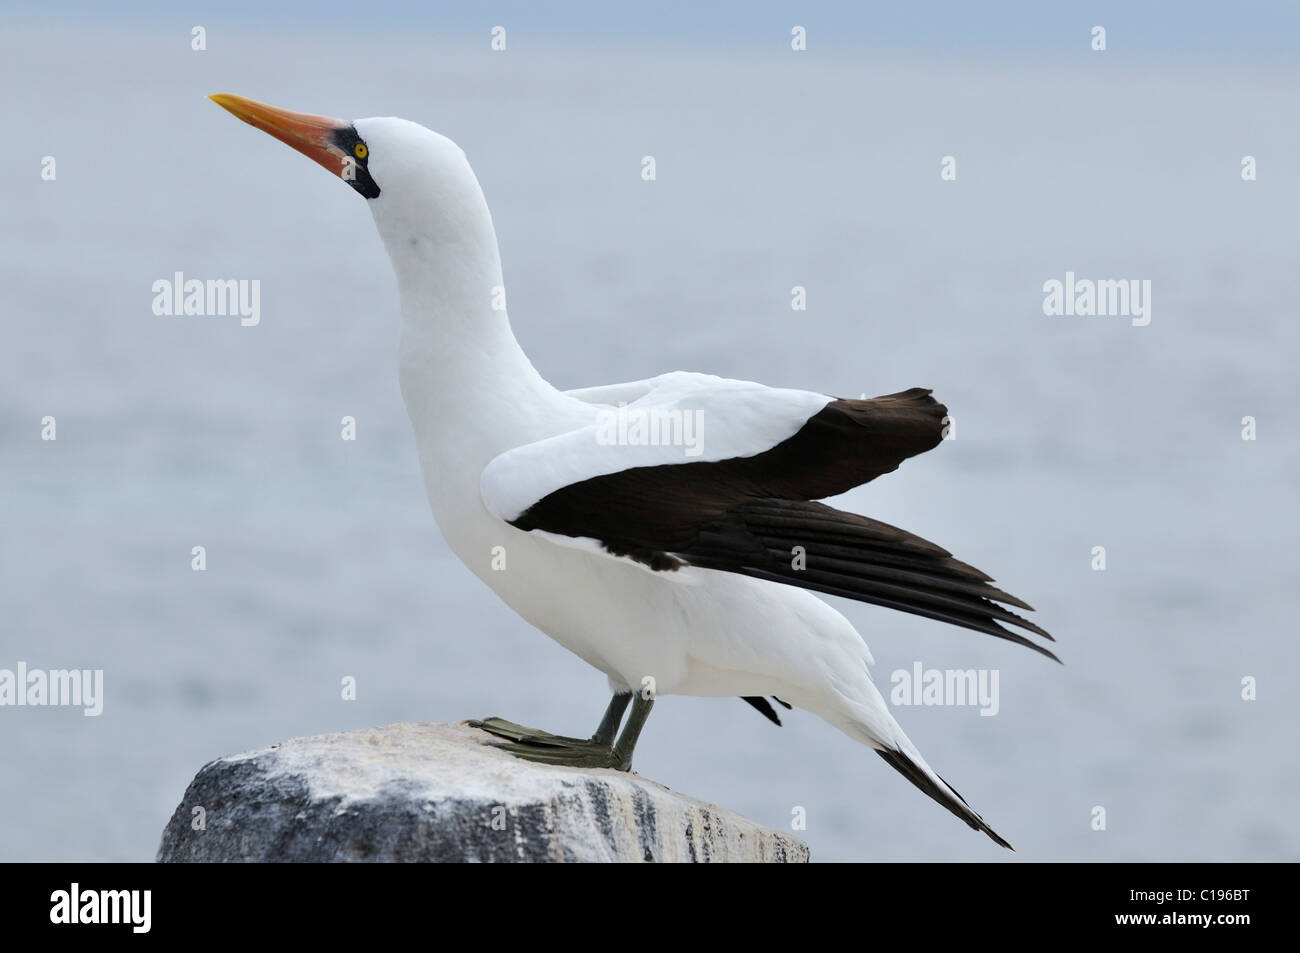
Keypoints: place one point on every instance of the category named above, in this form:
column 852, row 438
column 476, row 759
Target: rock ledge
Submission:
column 437, row 792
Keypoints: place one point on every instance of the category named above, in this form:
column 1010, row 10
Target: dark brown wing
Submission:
column 646, row 511
column 755, row 516
column 817, row 547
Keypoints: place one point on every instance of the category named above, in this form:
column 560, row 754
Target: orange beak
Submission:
column 313, row 136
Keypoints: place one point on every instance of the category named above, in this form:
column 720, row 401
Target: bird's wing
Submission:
column 614, row 393
column 672, row 420
column 744, row 502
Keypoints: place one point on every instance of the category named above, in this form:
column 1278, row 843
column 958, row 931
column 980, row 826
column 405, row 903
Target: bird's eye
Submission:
column 360, row 150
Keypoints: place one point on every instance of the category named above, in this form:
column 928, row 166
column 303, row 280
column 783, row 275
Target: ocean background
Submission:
column 774, row 169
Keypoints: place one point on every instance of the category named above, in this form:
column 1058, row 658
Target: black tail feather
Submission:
column 766, row 710
column 948, row 797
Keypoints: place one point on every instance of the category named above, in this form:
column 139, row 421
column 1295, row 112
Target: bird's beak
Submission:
column 313, row 136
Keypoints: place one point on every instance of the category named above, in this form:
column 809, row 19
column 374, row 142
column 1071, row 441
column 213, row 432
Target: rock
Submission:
column 437, row 792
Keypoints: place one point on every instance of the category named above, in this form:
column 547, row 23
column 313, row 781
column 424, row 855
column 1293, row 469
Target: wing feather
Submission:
column 755, row 514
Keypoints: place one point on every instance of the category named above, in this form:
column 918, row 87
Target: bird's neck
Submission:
column 468, row 386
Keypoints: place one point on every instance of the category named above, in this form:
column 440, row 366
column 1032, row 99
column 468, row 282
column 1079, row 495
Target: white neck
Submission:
column 458, row 358
column 469, row 389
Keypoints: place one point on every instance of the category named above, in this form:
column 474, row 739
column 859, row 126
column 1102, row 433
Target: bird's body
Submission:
column 693, row 631
column 673, row 565
column 473, row 395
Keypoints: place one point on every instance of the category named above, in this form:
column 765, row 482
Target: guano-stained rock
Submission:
column 437, row 792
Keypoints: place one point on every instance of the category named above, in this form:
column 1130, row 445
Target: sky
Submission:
column 1202, row 32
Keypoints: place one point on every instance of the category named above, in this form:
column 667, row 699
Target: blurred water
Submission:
column 773, row 170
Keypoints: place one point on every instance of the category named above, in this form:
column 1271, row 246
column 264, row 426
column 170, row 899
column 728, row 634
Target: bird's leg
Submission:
column 608, row 726
column 632, row 731
column 598, row 751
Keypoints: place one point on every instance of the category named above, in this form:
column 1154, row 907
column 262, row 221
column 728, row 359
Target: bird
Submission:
column 670, row 531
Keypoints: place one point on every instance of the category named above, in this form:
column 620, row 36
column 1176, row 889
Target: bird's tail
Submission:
column 913, row 767
column 853, row 704
column 871, row 723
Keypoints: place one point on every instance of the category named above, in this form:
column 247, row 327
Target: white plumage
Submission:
column 731, row 419
column 495, row 438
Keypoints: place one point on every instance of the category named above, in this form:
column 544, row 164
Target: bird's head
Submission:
column 424, row 196
column 335, row 144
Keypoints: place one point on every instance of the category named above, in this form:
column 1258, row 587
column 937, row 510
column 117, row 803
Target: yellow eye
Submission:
column 360, row 150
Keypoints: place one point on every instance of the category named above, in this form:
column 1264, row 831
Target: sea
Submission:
column 1131, row 476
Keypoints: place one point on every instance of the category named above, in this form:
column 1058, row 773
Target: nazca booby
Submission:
column 681, row 565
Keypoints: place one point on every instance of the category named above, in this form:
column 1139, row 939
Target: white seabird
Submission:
column 666, row 530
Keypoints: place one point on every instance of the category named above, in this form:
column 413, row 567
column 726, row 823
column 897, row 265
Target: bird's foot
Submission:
column 522, row 735
column 532, row 744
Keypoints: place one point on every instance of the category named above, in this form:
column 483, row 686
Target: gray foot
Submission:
column 532, row 744
column 598, row 751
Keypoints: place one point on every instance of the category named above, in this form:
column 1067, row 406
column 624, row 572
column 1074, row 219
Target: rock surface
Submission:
column 437, row 792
